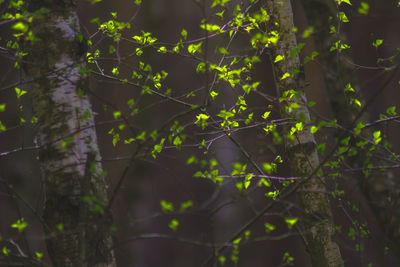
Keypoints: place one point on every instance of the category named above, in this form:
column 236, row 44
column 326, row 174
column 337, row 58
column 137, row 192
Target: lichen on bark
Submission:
column 76, row 202
column 301, row 147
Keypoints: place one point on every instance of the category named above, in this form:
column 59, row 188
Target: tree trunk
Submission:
column 380, row 189
column 75, row 212
column 301, row 145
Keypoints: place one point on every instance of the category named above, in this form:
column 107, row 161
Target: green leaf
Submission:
column 307, row 32
column 213, row 94
column 291, row 222
column 177, row 142
column 115, row 140
column 222, row 260
column 141, row 136
column 269, row 227
column 348, row 88
column 19, row 92
column 186, row 205
column 162, row 50
column 279, row 58
column 166, row 206
column 266, row 115
column 210, row 27
column 174, row 224
column 391, row 111
column 342, row 17
column 20, row 26
column 117, row 114
column 272, row 194
column 377, row 137
column 20, row 225
column 264, row 182
column 2, row 107
column 223, row 51
column 202, row 120
column 377, row 43
column 194, row 48
column 237, row 241
column 247, row 180
column 364, row 8
column 158, row 148
column 184, row 34
column 115, row 71
column 5, row 251
column 343, row 1
column 38, row 255
column 219, row 3
column 285, row 75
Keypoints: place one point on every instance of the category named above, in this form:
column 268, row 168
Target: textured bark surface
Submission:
column 77, row 223
column 303, row 157
column 380, row 189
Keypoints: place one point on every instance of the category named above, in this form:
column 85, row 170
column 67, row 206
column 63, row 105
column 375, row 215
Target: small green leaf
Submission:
column 174, row 224
column 291, row 222
column 285, row 75
column 158, row 148
column 377, row 43
column 38, row 255
column 184, row 34
column 186, row 205
column 342, row 17
column 162, row 50
column 266, row 115
column 213, row 94
column 115, row 71
column 177, row 142
column 20, row 26
column 5, row 250
column 202, row 120
column 343, row 1
column 279, row 58
column 237, row 241
column 222, row 260
column 377, row 137
column 20, row 225
column 364, row 8
column 391, row 111
column 194, row 48
column 223, row 51
column 269, row 227
column 117, row 114
column 115, row 140
column 19, row 92
column 210, row 27
column 264, row 182
column 166, row 206
column 2, row 107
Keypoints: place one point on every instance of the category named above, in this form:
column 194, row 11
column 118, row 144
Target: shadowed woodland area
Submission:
column 199, row 133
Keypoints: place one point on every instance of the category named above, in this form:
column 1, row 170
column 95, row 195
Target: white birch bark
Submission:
column 77, row 222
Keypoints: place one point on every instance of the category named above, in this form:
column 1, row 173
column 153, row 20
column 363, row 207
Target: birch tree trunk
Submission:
column 75, row 212
column 301, row 145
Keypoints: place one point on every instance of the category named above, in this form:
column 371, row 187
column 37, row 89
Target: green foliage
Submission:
column 168, row 117
column 20, row 225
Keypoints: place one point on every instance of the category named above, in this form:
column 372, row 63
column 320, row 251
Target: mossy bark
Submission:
column 75, row 212
column 380, row 189
column 301, row 147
